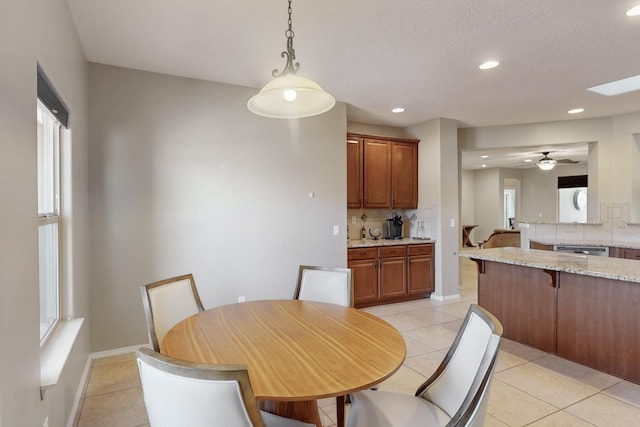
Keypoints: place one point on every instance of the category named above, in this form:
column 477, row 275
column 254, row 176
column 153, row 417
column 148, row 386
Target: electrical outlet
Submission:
column 336, row 230
column 241, row 298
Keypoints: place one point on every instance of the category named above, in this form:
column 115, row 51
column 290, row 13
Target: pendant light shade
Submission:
column 289, row 96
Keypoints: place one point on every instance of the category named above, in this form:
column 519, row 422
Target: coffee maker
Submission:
column 394, row 227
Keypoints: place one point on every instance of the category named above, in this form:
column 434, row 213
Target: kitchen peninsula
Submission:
column 386, row 271
column 582, row 308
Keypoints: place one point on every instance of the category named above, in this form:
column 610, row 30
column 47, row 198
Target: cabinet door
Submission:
column 404, row 175
column 354, row 173
column 629, row 253
column 365, row 280
column 377, row 173
column 420, row 272
column 392, row 277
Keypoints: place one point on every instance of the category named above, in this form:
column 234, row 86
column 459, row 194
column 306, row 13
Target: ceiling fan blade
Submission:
column 568, row 161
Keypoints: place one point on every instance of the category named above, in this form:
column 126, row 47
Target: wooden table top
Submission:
column 294, row 350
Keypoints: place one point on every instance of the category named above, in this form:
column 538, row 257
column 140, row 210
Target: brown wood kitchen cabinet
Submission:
column 354, row 173
column 627, row 253
column 420, row 270
column 363, row 263
column 392, row 266
column 382, row 172
column 391, row 273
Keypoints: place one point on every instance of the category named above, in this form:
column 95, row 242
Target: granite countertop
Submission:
column 370, row 243
column 597, row 243
column 609, row 268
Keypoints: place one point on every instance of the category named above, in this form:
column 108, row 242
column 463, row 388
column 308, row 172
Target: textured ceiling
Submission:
column 375, row 55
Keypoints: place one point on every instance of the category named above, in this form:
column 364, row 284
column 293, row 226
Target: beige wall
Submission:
column 614, row 152
column 32, row 32
column 184, row 179
column 438, row 192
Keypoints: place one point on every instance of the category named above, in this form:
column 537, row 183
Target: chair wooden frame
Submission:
column 348, row 271
column 148, row 310
column 480, row 384
column 204, row 372
column 450, row 401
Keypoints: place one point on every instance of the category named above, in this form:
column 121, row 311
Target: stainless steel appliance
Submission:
column 394, row 227
column 583, row 250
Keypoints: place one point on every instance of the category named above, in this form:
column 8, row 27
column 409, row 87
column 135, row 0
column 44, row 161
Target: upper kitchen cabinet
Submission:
column 354, row 173
column 382, row 172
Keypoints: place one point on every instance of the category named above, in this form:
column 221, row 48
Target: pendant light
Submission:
column 289, row 96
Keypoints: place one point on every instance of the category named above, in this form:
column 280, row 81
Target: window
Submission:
column 48, row 219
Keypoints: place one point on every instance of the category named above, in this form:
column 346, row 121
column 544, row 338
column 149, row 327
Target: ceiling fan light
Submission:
column 546, row 164
column 291, row 97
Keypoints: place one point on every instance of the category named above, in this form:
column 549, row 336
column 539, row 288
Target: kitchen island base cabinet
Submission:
column 599, row 324
column 388, row 274
column 523, row 300
column 589, row 320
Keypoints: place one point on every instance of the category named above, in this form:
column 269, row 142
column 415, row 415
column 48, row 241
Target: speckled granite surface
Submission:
column 601, row 243
column 609, row 268
column 369, row 243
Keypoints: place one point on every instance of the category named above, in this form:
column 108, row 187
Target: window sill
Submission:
column 55, row 353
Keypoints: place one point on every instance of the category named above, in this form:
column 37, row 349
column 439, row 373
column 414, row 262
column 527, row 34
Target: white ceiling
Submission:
column 378, row 54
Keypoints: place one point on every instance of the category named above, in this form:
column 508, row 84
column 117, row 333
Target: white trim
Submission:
column 118, row 351
column 445, row 297
column 71, row 422
column 55, row 353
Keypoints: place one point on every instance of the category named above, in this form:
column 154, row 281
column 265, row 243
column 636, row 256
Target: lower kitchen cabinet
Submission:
column 391, row 273
column 420, row 271
column 626, row 253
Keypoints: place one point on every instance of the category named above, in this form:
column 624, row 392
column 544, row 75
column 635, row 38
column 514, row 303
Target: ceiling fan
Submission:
column 546, row 163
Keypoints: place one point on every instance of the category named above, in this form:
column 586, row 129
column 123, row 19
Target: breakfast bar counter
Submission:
column 580, row 307
column 608, row 268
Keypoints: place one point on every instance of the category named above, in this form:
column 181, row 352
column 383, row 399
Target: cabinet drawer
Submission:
column 362, row 253
column 386, row 251
column 420, row 249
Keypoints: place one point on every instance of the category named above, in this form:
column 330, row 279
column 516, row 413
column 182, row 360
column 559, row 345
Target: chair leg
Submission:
column 340, row 411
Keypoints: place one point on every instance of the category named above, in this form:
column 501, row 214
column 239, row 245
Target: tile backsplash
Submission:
column 371, row 219
column 614, row 226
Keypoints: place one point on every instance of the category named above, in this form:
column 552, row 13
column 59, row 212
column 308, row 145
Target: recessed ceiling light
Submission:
column 484, row 157
column 398, row 110
column 484, row 166
column 618, row 87
column 576, row 111
column 528, row 160
column 634, row 11
column 489, row 64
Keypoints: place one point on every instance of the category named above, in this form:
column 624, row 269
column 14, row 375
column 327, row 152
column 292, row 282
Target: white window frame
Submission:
column 49, row 132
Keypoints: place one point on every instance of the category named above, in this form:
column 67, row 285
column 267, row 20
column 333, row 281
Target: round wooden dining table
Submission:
column 296, row 351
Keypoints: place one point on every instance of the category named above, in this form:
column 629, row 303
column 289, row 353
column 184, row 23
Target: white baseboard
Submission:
column 445, row 297
column 85, row 376
column 117, row 351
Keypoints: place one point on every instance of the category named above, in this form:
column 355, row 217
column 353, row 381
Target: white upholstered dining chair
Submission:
column 333, row 285
column 178, row 393
column 455, row 395
column 325, row 284
column 168, row 302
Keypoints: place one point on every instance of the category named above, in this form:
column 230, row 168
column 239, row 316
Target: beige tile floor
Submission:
column 530, row 387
